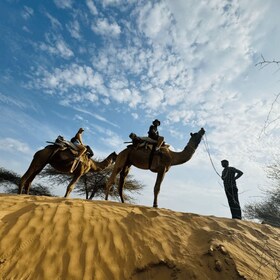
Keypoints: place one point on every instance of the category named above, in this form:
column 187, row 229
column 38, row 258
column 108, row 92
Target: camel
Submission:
column 61, row 160
column 159, row 162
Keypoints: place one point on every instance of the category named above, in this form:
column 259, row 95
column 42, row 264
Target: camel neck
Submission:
column 183, row 156
column 98, row 166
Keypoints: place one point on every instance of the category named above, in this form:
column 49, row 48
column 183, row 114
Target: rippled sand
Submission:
column 57, row 238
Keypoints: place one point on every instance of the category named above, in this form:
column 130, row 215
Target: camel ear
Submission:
column 191, row 134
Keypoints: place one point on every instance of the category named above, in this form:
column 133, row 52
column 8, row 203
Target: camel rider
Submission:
column 153, row 133
column 78, row 142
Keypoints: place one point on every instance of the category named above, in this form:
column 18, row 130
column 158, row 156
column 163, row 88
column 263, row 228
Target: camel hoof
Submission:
column 155, row 205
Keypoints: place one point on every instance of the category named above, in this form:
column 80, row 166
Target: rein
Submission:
column 212, row 163
column 205, row 141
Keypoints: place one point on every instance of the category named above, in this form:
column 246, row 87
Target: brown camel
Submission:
column 61, row 160
column 159, row 163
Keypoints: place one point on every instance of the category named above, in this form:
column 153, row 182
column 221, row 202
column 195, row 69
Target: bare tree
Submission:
column 270, row 119
column 265, row 62
column 8, row 177
column 92, row 184
column 9, row 180
column 268, row 210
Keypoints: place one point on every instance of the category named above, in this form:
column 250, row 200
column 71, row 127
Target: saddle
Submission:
column 64, row 144
column 146, row 142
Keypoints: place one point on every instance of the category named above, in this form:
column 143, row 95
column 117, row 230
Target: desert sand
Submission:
column 56, row 238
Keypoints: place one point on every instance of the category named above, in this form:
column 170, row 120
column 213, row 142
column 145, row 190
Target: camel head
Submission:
column 196, row 137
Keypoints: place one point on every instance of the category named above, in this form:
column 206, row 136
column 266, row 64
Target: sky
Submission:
column 114, row 66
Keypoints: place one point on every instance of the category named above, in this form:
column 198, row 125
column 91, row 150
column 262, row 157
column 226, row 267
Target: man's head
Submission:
column 156, row 122
column 224, row 163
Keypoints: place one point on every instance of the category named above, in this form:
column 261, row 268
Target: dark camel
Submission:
column 161, row 162
column 61, row 160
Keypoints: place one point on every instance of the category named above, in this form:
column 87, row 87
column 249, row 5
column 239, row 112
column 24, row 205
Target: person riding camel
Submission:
column 153, row 133
column 78, row 142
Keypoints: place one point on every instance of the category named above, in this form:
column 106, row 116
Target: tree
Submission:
column 8, row 177
column 268, row 211
column 265, row 62
column 92, row 184
column 10, row 181
column 270, row 119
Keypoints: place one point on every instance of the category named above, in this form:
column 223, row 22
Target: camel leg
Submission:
column 22, row 184
column 118, row 167
column 112, row 180
column 26, row 180
column 71, row 185
column 160, row 177
column 109, row 184
column 123, row 175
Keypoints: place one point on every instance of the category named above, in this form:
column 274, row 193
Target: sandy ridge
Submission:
column 57, row 238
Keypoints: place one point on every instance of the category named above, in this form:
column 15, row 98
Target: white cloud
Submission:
column 56, row 46
column 103, row 27
column 92, row 7
column 92, row 97
column 196, row 52
column 113, row 140
column 11, row 101
column 177, row 116
column 54, row 22
column 135, row 116
column 153, row 98
column 73, row 76
column 25, row 28
column 27, row 12
column 63, row 4
column 96, row 116
column 181, row 72
column 14, row 146
column 112, row 2
column 63, row 49
column 126, row 96
column 108, row 137
column 154, row 20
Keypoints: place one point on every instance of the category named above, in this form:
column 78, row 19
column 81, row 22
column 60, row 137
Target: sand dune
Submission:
column 57, row 238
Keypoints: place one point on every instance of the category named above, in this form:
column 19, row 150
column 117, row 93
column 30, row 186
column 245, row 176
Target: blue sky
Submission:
column 114, row 66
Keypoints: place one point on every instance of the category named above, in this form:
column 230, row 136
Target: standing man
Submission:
column 229, row 177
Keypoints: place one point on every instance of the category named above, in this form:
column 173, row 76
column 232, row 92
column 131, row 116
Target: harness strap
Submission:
column 151, row 157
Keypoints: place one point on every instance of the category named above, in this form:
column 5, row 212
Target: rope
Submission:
column 209, row 155
column 212, row 163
